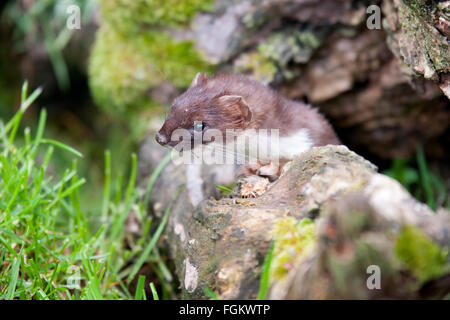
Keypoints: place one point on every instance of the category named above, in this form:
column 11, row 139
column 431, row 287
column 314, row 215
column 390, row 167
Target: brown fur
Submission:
column 251, row 106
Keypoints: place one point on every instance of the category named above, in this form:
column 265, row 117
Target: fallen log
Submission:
column 341, row 230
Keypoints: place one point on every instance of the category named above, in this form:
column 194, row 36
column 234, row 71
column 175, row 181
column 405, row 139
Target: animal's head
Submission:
column 207, row 104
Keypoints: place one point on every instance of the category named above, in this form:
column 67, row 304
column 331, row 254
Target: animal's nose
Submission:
column 161, row 139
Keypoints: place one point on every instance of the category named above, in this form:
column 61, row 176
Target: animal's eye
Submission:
column 199, row 126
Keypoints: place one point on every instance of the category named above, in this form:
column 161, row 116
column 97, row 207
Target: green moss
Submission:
column 419, row 6
column 260, row 67
column 424, row 258
column 291, row 45
column 133, row 15
column 412, row 16
column 129, row 57
column 293, row 241
column 123, row 68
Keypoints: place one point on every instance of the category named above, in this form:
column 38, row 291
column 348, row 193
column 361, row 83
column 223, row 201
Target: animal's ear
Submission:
column 237, row 103
column 199, row 79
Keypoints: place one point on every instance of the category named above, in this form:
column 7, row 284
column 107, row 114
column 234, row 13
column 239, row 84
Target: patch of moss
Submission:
column 123, row 68
column 134, row 15
column 291, row 45
column 293, row 240
column 430, row 44
column 425, row 259
column 260, row 67
column 419, row 6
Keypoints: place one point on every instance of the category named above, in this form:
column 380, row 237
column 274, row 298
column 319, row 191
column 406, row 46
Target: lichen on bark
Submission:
column 413, row 36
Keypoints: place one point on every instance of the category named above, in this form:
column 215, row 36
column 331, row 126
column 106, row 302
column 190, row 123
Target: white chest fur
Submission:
column 267, row 145
column 295, row 144
column 250, row 146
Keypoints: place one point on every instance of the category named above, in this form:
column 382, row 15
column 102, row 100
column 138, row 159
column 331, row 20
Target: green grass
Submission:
column 51, row 247
column 224, row 188
column 416, row 176
column 210, row 294
column 264, row 283
column 154, row 293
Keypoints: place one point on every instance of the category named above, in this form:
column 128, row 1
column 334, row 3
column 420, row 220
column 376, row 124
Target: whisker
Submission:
column 240, row 155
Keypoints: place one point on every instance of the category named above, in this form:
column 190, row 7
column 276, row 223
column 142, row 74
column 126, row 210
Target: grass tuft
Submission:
column 51, row 247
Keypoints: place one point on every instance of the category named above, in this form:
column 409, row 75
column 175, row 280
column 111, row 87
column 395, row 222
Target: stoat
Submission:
column 229, row 102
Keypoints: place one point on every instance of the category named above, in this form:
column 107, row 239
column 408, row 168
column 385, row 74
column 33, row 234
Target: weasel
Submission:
column 235, row 102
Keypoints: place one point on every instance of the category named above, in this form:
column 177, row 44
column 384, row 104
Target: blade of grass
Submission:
column 226, row 189
column 67, row 192
column 145, row 254
column 62, row 146
column 132, row 180
column 140, row 289
column 210, row 294
column 154, row 292
column 425, row 178
column 13, row 276
column 264, row 283
column 40, row 131
column 106, row 190
column 13, row 124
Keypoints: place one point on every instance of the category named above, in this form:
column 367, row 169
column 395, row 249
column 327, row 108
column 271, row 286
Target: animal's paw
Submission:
column 253, row 189
column 271, row 171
